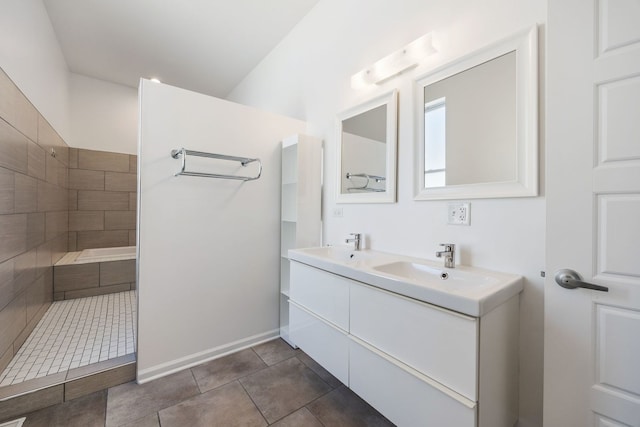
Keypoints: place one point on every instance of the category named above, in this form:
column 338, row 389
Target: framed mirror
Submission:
column 367, row 146
column 477, row 124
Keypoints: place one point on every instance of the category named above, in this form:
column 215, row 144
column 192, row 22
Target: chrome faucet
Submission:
column 357, row 238
column 449, row 254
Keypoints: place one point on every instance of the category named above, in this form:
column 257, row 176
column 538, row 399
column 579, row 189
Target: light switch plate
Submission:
column 337, row 212
column 459, row 214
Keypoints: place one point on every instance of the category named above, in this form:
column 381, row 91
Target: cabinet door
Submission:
column 322, row 293
column 441, row 344
column 403, row 396
column 326, row 344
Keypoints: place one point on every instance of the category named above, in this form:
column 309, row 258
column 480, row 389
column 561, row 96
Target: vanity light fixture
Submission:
column 395, row 63
column 155, row 80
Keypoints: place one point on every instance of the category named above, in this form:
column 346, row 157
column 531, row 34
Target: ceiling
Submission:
column 207, row 46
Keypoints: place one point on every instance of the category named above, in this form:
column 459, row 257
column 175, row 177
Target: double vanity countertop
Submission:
column 468, row 290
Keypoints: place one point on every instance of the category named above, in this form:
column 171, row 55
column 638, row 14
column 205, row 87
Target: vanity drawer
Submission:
column 402, row 395
column 322, row 293
column 439, row 343
column 326, row 344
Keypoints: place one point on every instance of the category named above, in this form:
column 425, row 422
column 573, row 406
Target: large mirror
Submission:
column 367, row 144
column 477, row 124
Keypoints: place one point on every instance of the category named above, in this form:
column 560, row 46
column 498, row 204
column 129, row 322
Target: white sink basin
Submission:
column 468, row 290
column 426, row 274
column 338, row 253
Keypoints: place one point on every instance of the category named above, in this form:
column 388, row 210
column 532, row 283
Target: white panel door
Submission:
column 592, row 338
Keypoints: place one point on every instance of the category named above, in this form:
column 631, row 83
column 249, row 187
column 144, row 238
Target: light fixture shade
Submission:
column 395, row 63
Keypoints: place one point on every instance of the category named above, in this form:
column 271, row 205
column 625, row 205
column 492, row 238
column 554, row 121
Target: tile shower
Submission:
column 56, row 201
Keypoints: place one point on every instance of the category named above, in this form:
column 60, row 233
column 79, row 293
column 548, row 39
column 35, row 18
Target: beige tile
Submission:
column 7, row 191
column 43, row 258
column 24, row 270
column 87, row 411
column 36, row 161
column 86, row 220
column 5, row 358
column 56, row 223
column 73, row 158
column 76, row 276
column 225, row 406
column 32, row 385
column 16, row 109
column 52, row 198
column 58, row 296
column 102, row 201
column 102, row 160
column 35, row 229
column 7, row 288
column 81, row 179
column 133, row 163
column 92, row 292
column 31, row 402
column 150, row 420
column 73, row 200
column 101, row 239
column 120, row 220
column 101, row 381
column 13, row 319
column 51, row 170
column 60, row 246
column 49, row 139
column 13, row 232
column 26, row 191
column 13, row 148
column 115, row 181
column 73, row 241
column 22, row 337
column 113, row 273
column 319, row 370
column 132, row 238
column 133, row 201
column 36, row 296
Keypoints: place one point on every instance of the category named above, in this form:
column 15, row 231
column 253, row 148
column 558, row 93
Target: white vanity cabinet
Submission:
column 416, row 363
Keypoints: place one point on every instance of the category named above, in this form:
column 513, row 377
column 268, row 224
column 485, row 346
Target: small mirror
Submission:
column 367, row 141
column 477, row 124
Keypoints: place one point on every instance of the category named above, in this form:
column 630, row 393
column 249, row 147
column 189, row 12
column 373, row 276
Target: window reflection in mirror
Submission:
column 471, row 138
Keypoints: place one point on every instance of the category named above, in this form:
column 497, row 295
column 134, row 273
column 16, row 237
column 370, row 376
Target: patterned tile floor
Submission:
column 76, row 333
column 269, row 384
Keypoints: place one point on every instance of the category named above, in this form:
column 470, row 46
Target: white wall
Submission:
column 104, row 115
column 209, row 249
column 308, row 76
column 31, row 56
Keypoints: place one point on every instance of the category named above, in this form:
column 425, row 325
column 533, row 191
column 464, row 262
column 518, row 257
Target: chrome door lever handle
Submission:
column 570, row 279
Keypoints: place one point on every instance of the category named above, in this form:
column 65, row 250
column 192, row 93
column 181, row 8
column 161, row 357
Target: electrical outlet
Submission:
column 459, row 214
column 337, row 212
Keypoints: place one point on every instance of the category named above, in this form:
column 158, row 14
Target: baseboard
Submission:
column 173, row 366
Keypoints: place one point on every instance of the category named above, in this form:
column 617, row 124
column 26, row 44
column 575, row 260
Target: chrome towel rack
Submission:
column 182, row 153
column 365, row 187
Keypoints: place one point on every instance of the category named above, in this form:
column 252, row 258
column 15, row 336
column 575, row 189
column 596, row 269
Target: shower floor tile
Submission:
column 75, row 333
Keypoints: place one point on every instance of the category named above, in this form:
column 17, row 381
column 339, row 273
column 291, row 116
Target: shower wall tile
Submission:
column 116, row 181
column 76, row 276
column 13, row 148
column 117, row 272
column 101, row 239
column 81, row 179
column 86, row 220
column 103, row 161
column 120, row 220
column 26, row 194
column 102, row 200
column 7, row 191
column 34, row 204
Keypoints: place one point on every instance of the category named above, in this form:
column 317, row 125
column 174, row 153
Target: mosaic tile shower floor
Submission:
column 75, row 333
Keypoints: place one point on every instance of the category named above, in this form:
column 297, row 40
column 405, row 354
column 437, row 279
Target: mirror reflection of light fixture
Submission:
column 395, row 63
